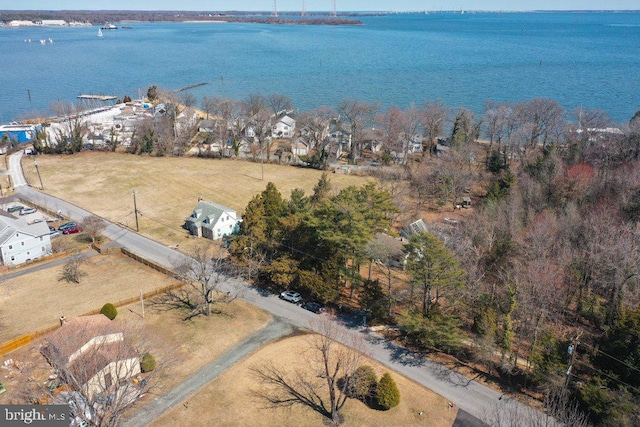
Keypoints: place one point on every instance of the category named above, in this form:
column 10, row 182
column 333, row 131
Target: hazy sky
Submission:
column 341, row 5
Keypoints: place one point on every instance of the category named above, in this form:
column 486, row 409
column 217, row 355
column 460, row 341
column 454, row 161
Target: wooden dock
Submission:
column 98, row 97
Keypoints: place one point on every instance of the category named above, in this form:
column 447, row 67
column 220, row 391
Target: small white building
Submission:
column 284, row 128
column 21, row 242
column 212, row 221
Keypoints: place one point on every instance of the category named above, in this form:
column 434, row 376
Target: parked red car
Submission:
column 73, row 230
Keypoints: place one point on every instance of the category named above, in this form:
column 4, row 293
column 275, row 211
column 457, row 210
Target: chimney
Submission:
column 63, row 320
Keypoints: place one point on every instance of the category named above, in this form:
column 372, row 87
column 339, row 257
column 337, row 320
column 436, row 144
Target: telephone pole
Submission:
column 135, row 208
column 572, row 350
column 35, row 162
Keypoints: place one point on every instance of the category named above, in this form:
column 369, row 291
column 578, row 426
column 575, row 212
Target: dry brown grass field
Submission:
column 167, row 187
column 37, row 300
column 227, row 401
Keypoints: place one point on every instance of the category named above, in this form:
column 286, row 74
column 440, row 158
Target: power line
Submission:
column 612, row 357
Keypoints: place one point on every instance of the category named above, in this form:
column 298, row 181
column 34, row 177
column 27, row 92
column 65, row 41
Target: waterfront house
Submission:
column 21, row 242
column 19, row 133
column 285, row 127
column 373, row 139
column 212, row 221
column 91, row 352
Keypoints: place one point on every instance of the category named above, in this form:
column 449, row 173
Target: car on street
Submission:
column 67, row 225
column 73, row 230
column 291, row 296
column 13, row 209
column 314, row 307
column 28, row 211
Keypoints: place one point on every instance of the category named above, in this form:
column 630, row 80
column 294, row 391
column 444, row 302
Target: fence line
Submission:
column 25, row 339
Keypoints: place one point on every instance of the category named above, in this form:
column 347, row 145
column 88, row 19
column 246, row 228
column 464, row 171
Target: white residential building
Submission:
column 212, row 221
column 21, row 242
column 284, row 128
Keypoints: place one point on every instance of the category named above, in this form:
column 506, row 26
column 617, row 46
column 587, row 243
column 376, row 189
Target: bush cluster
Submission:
column 387, row 394
column 148, row 363
column 109, row 310
column 364, row 386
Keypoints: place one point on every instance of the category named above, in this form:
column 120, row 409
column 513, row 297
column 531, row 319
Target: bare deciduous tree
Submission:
column 93, row 225
column 358, row 115
column 434, row 117
column 206, row 270
column 71, row 269
column 322, row 381
column 99, row 375
column 279, row 104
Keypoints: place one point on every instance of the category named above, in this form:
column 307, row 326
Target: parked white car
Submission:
column 291, row 296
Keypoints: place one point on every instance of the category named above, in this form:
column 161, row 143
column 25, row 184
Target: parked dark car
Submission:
column 67, row 225
column 73, row 230
column 315, row 307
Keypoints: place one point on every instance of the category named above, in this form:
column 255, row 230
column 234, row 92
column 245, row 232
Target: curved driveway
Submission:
column 468, row 395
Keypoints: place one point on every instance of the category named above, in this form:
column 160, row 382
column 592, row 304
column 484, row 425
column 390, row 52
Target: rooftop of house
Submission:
column 9, row 225
column 287, row 120
column 209, row 213
column 76, row 332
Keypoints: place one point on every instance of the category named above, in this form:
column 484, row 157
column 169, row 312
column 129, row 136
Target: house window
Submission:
column 222, row 219
column 206, row 221
column 22, row 243
column 43, row 249
column 10, row 246
column 13, row 258
column 41, row 238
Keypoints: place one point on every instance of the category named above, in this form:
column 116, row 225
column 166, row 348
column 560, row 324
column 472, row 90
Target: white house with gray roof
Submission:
column 212, row 221
column 284, row 128
column 21, row 242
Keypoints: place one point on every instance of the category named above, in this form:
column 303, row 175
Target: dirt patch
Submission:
column 167, row 188
column 227, row 401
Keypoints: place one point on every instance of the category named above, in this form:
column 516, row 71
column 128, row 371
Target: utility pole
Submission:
column 135, row 208
column 572, row 350
column 35, row 162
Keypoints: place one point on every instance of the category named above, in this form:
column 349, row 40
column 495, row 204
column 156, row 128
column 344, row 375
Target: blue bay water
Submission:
column 589, row 60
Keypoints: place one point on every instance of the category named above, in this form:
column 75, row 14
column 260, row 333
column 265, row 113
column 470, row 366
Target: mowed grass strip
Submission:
column 167, row 188
column 37, row 300
column 228, row 401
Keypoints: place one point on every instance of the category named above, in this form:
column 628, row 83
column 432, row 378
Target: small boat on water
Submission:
column 108, row 26
column 99, row 32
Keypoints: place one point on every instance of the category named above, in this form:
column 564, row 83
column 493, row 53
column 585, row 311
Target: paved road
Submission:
column 38, row 266
column 274, row 330
column 472, row 397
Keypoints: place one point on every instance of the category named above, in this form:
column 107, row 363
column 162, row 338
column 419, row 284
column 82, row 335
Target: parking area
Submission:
column 30, row 214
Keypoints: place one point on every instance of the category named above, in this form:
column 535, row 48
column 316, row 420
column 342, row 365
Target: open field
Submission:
column 167, row 187
column 227, row 401
column 37, row 300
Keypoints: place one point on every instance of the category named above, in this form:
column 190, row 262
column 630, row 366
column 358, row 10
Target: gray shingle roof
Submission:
column 209, row 211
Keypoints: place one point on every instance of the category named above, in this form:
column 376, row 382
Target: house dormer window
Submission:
column 194, row 215
column 206, row 221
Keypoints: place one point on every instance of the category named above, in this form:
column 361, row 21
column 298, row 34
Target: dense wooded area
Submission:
column 539, row 284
